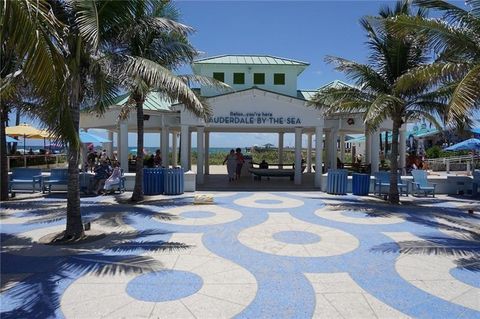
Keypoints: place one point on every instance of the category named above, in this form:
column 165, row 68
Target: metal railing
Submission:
column 47, row 163
column 468, row 160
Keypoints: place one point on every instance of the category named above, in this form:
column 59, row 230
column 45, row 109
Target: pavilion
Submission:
column 264, row 99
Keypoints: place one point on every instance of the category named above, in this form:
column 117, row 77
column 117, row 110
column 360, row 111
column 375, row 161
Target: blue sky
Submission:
column 302, row 30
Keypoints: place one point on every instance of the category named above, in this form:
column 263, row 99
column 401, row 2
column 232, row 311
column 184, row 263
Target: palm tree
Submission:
column 455, row 38
column 150, row 46
column 29, row 49
column 83, row 29
column 380, row 90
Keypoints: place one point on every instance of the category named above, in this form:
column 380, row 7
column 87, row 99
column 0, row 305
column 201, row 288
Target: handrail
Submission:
column 25, row 156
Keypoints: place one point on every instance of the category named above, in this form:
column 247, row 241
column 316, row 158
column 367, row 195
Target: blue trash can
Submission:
column 153, row 181
column 337, row 181
column 360, row 184
column 174, row 180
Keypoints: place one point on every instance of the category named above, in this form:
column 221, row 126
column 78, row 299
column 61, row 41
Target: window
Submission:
column 279, row 78
column 219, row 76
column 238, row 78
column 258, row 78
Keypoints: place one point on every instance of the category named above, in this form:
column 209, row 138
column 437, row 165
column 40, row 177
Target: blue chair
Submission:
column 23, row 176
column 421, row 184
column 58, row 176
column 120, row 186
column 382, row 179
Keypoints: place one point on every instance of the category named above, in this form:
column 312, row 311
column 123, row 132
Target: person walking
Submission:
column 231, row 161
column 240, row 161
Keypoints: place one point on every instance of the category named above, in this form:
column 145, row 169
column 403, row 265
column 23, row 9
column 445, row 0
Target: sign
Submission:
column 254, row 118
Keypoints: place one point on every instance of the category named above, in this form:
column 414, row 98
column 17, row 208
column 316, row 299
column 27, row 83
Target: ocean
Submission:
column 150, row 150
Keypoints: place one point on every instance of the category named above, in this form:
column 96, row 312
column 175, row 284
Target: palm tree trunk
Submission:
column 17, row 122
column 394, row 197
column 138, row 188
column 3, row 154
column 74, row 217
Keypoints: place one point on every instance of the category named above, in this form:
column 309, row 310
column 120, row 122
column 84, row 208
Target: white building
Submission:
column 265, row 99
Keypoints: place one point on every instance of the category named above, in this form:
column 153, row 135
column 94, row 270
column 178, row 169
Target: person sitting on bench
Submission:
column 263, row 164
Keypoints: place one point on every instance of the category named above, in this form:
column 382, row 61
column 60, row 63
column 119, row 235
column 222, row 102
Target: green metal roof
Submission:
column 335, row 84
column 250, row 59
column 306, row 94
column 153, row 102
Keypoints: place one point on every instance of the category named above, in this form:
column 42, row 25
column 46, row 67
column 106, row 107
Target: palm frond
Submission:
column 466, row 95
column 363, row 75
column 426, row 76
column 159, row 78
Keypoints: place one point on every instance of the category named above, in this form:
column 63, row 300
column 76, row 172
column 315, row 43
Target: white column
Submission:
column 375, row 151
column 109, row 145
column 164, row 146
column 402, row 150
column 123, row 145
column 298, row 156
column 368, row 147
column 174, row 149
column 280, row 147
column 332, row 149
column 207, row 157
column 342, row 147
column 318, row 155
column 185, row 152
column 309, row 152
column 189, row 151
column 200, row 153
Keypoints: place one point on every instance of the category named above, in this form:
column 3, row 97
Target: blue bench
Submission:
column 420, row 183
column 57, row 177
column 382, row 179
column 25, row 176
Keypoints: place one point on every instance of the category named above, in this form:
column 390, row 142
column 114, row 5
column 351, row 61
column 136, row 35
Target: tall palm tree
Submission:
column 91, row 26
column 380, row 91
column 149, row 47
column 29, row 49
column 455, row 38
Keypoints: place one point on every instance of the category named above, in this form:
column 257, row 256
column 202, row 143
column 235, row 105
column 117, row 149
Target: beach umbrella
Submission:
column 26, row 131
column 472, row 144
column 11, row 140
column 91, row 138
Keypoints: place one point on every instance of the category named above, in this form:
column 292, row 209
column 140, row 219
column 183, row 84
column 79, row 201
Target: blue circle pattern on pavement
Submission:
column 282, row 286
column 164, row 285
column 197, row 214
column 296, row 237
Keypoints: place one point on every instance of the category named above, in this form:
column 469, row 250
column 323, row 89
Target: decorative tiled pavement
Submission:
column 250, row 255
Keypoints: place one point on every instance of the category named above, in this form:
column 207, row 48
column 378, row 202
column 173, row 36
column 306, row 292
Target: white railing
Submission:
column 447, row 161
column 47, row 158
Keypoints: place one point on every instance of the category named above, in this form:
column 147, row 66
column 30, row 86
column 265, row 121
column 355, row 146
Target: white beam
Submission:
column 318, row 155
column 122, row 145
column 207, row 157
column 200, row 153
column 298, row 156
column 402, row 150
column 185, row 152
column 309, row 152
column 332, row 149
column 174, row 148
column 375, row 151
column 281, row 136
column 342, row 147
column 164, row 146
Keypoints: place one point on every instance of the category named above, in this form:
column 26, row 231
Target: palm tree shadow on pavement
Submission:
column 33, row 284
